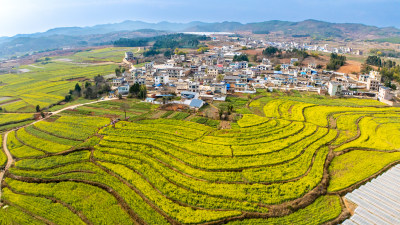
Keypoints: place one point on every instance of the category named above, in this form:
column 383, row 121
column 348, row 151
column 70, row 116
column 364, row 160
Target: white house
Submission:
column 334, row 88
column 162, row 79
column 384, row 93
column 372, row 84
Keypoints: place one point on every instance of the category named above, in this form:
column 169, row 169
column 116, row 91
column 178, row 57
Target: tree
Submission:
column 366, row 68
column 374, row 61
column 124, row 107
column 134, row 89
column 142, row 92
column 241, row 57
column 270, row 51
column 202, row 49
column 168, row 53
column 336, row 61
column 117, row 72
column 90, row 92
column 37, row 108
column 99, row 79
column 78, row 90
column 296, row 64
column 119, row 96
column 277, row 67
column 68, row 98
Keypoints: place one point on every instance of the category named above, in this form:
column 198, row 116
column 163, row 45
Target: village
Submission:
column 195, row 78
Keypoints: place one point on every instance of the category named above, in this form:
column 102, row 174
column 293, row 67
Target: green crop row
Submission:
column 39, row 143
column 352, row 167
column 154, row 175
column 255, row 192
column 32, row 130
column 49, row 162
column 96, row 204
column 66, row 130
column 6, row 118
column 134, row 201
column 376, row 134
column 14, row 215
column 166, row 114
column 183, row 214
column 180, row 116
column 324, row 209
column 54, row 212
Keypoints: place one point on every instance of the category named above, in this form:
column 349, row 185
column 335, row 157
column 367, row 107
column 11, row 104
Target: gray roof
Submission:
column 196, row 103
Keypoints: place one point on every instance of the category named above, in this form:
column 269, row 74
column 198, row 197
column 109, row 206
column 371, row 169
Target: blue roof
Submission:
column 277, row 72
column 196, row 103
column 159, row 85
column 303, row 73
column 188, row 93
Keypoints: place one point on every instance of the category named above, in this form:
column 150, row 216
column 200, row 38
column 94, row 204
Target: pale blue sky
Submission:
column 29, row 16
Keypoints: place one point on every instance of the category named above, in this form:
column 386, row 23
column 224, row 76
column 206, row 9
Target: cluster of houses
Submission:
column 212, row 75
column 316, row 47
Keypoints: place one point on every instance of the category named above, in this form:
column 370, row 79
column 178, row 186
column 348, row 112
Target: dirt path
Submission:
column 10, row 159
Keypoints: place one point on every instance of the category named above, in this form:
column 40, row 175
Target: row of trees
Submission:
column 377, row 61
column 125, row 42
column 271, row 51
column 241, row 57
column 137, row 91
column 89, row 90
column 336, row 61
column 385, row 53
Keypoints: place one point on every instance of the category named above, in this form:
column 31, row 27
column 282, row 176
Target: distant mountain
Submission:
column 307, row 27
column 22, row 44
column 77, row 36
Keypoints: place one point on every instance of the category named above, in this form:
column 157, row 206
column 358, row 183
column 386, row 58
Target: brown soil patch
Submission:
column 225, row 125
column 350, row 206
column 173, row 107
column 78, row 79
column 350, row 67
column 253, row 51
column 11, row 101
column 320, row 60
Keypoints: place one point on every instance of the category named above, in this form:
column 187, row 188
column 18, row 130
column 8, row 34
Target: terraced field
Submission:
column 12, row 120
column 290, row 165
column 46, row 84
column 114, row 54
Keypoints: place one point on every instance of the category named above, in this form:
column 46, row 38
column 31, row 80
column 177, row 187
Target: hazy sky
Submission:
column 29, row 16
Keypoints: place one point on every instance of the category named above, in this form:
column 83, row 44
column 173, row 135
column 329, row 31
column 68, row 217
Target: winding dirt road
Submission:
column 10, row 159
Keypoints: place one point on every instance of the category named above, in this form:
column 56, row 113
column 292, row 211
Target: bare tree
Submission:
column 124, row 107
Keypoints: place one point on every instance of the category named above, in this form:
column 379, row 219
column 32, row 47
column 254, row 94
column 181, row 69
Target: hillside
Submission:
column 88, row 36
column 288, row 165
